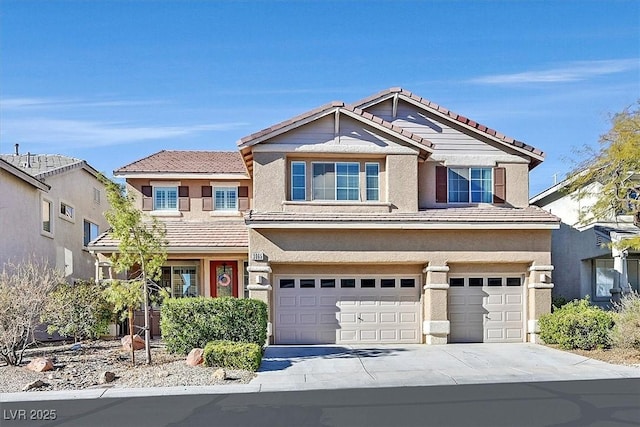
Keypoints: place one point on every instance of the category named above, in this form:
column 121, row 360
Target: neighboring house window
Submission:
column 604, row 278
column 66, row 211
column 47, row 216
column 91, row 231
column 336, row 181
column 470, row 185
column 165, row 198
column 372, row 172
column 226, row 199
column 96, row 196
column 180, row 281
column 298, row 181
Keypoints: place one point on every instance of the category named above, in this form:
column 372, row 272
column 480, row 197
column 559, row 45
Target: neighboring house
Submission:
column 587, row 264
column 51, row 207
column 392, row 220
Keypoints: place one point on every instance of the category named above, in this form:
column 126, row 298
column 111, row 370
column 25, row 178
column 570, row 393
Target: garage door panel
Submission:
column 513, row 316
column 308, row 318
column 513, row 299
column 328, row 301
column 348, row 318
column 368, row 317
column 287, row 318
column 388, row 317
column 388, row 334
column 307, row 301
column 408, row 317
column 287, row 301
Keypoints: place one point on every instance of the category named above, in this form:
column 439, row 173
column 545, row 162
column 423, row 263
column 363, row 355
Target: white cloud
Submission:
column 79, row 133
column 21, row 103
column 575, row 71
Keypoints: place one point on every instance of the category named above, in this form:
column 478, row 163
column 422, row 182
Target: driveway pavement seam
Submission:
column 362, row 363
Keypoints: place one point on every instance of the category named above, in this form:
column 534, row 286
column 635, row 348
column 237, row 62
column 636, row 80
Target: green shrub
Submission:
column 236, row 355
column 577, row 324
column 187, row 323
column 558, row 301
column 626, row 332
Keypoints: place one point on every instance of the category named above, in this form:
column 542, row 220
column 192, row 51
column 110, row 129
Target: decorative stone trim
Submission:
column 259, row 287
column 435, row 327
column 436, row 269
column 541, row 268
column 259, row 269
column 269, row 329
column 436, row 286
column 540, row 286
column 533, row 326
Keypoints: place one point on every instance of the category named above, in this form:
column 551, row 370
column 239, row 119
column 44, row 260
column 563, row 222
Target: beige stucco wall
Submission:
column 270, row 178
column 195, row 212
column 21, row 225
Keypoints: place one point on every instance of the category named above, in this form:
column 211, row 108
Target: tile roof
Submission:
column 191, row 235
column 373, row 99
column 188, row 162
column 461, row 215
column 42, row 165
column 339, row 105
column 22, row 175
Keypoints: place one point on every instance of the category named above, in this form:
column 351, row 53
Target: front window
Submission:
column 604, row 278
column 180, row 281
column 91, row 231
column 372, row 172
column 165, row 198
column 47, row 217
column 298, row 181
column 226, row 199
column 336, row 181
column 473, row 185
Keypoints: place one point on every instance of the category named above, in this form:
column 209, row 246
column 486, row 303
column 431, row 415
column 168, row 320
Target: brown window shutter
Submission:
column 183, row 198
column 441, row 184
column 207, row 199
column 183, row 191
column 147, row 191
column 499, row 185
column 243, row 191
column 206, row 191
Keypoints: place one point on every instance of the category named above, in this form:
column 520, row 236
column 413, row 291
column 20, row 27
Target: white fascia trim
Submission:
column 404, row 226
column 182, row 250
column 178, row 176
column 331, row 147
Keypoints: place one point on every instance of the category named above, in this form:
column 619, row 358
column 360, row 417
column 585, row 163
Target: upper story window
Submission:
column 47, row 216
column 336, row 181
column 372, row 172
column 298, row 181
column 226, row 198
column 470, row 185
column 96, row 196
column 91, row 231
column 165, row 198
column 67, row 212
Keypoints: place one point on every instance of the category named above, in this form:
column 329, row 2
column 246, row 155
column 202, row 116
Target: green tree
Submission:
column 141, row 248
column 78, row 310
column 608, row 178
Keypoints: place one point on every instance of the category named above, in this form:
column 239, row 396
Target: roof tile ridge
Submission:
column 139, row 160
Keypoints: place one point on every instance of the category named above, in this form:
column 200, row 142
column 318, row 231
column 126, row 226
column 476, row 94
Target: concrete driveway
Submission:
column 356, row 366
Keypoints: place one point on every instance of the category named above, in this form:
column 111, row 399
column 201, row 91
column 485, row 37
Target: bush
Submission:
column 626, row 332
column 557, row 301
column 236, row 355
column 187, row 323
column 577, row 324
column 78, row 310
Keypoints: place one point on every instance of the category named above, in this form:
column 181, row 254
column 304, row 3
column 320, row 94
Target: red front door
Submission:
column 223, row 279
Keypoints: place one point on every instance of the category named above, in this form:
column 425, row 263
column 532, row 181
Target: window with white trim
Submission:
column 165, row 198
column 47, row 216
column 604, row 278
column 372, row 173
column 67, row 212
column 298, row 181
column 226, row 198
column 336, row 181
column 473, row 185
column 91, row 231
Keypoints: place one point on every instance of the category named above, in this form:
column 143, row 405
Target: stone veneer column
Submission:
column 539, row 289
column 260, row 288
column 436, row 324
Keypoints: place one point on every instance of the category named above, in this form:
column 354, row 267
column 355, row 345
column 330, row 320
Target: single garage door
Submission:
column 486, row 309
column 353, row 309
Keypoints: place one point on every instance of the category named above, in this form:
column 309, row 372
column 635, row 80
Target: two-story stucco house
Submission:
column 590, row 265
column 391, row 220
column 52, row 206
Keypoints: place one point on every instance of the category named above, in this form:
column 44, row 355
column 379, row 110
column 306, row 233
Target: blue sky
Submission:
column 114, row 81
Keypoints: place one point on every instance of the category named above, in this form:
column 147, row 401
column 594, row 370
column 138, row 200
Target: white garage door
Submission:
column 486, row 309
column 353, row 309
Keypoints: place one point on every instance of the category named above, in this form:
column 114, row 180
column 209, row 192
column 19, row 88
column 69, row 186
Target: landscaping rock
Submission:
column 40, row 364
column 106, row 377
column 219, row 374
column 138, row 342
column 32, row 385
column 195, row 357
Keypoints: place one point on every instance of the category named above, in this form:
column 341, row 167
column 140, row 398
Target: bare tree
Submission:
column 24, row 291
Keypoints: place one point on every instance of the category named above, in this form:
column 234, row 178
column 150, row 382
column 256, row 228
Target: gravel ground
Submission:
column 75, row 370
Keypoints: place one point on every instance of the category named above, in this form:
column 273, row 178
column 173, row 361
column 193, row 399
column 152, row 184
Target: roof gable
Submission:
column 22, row 175
column 452, row 118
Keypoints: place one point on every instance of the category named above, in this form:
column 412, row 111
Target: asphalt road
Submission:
column 614, row 402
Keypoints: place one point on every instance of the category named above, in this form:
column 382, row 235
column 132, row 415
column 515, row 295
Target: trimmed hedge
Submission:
column 235, row 355
column 577, row 324
column 187, row 323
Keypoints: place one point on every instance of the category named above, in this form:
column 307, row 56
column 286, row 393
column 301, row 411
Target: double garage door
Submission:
column 486, row 309
column 347, row 309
